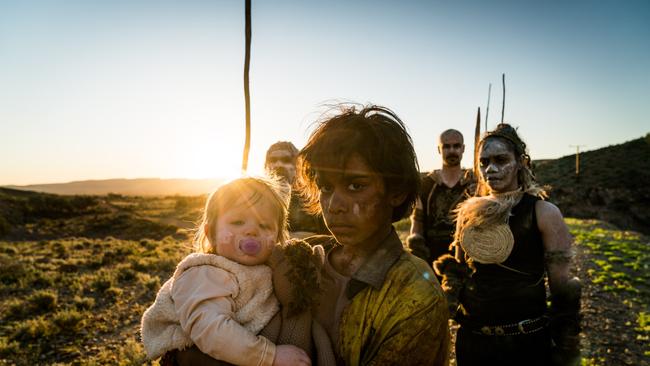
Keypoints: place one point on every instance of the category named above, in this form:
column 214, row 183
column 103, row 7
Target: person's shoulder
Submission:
column 468, row 177
column 547, row 214
column 435, row 176
column 414, row 273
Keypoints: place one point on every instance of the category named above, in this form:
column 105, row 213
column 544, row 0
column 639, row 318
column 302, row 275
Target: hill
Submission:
column 131, row 187
column 612, row 185
column 26, row 215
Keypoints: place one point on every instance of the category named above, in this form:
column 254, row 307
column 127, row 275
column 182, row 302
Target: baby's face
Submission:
column 247, row 233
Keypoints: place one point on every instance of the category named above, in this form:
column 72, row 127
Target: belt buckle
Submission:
column 520, row 325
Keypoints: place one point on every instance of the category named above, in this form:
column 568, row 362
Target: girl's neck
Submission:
column 347, row 259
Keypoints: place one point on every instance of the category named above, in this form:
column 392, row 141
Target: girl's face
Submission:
column 499, row 166
column 247, row 233
column 356, row 208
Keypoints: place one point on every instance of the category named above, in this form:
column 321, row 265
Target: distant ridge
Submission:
column 612, row 186
column 130, row 187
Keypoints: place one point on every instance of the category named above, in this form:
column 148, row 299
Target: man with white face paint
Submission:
column 432, row 224
column 281, row 162
column 509, row 243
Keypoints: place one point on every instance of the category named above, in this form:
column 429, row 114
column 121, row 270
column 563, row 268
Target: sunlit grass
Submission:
column 621, row 264
column 92, row 308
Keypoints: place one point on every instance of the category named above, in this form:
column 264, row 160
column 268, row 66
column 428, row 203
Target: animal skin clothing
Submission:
column 397, row 313
column 438, row 201
column 216, row 304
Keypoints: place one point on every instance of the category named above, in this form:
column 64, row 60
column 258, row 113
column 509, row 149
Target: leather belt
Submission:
column 525, row 326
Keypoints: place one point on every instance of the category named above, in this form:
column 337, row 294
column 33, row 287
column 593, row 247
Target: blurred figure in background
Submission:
column 281, row 162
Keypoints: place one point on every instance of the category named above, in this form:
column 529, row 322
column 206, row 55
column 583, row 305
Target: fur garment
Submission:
column 485, row 219
column 160, row 327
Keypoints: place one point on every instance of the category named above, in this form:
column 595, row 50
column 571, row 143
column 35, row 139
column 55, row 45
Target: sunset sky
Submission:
column 130, row 89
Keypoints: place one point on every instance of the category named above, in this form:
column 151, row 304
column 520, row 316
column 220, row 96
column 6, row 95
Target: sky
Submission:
column 142, row 88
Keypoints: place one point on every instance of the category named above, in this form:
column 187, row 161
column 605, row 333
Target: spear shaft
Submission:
column 247, row 95
column 477, row 139
column 503, row 103
column 487, row 110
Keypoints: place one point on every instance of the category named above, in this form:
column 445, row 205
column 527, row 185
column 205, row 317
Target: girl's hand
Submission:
column 287, row 354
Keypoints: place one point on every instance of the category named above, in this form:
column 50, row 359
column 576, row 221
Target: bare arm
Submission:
column 565, row 291
column 557, row 244
column 415, row 241
column 416, row 218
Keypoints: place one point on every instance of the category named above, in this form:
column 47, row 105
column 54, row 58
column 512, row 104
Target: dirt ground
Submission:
column 608, row 322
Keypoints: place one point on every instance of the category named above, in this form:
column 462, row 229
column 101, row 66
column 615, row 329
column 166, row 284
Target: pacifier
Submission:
column 250, row 246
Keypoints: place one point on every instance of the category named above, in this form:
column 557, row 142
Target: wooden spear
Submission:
column 247, row 96
column 477, row 139
column 503, row 103
column 487, row 110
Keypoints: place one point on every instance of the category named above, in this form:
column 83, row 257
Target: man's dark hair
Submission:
column 374, row 133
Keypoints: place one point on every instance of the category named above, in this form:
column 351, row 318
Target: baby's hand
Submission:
column 287, row 354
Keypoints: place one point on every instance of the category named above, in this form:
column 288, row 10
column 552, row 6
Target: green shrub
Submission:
column 7, row 347
column 34, row 329
column 125, row 249
column 143, row 264
column 125, row 274
column 7, row 249
column 59, row 250
column 96, row 261
column 16, row 309
column 132, row 353
column 113, row 293
column 83, row 303
column 148, row 281
column 103, row 281
column 68, row 320
column 43, row 301
column 166, row 264
column 69, row 267
column 42, row 279
column 11, row 270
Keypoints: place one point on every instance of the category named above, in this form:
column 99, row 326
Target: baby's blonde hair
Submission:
column 227, row 195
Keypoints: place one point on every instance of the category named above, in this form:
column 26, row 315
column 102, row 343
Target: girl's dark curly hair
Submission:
column 377, row 135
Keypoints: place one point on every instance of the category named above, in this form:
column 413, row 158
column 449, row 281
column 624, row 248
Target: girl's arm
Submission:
column 203, row 297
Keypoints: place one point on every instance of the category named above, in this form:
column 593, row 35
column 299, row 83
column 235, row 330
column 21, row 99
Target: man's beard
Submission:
column 284, row 173
column 452, row 160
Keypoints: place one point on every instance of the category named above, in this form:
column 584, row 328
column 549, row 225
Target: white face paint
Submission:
column 499, row 166
column 247, row 233
column 355, row 209
column 225, row 237
column 355, row 206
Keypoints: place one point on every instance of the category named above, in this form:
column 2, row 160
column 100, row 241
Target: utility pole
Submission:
column 577, row 157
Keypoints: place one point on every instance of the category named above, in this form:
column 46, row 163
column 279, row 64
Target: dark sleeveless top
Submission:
column 496, row 295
